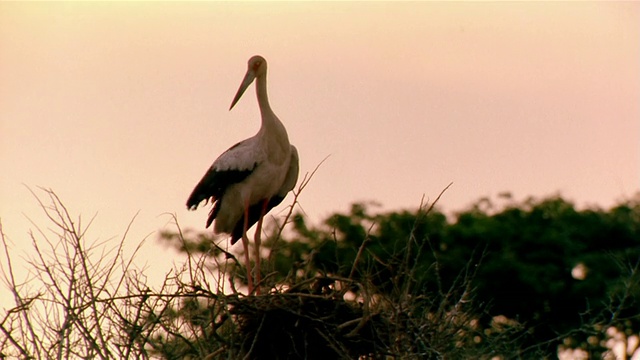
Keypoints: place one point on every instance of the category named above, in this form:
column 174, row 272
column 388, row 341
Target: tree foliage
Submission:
column 513, row 281
column 561, row 275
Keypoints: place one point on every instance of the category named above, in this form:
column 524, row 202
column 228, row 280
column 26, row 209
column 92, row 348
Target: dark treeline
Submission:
column 555, row 275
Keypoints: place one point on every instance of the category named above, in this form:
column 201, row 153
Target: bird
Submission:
column 250, row 178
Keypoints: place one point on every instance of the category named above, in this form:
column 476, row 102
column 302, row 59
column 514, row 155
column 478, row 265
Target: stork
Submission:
column 251, row 177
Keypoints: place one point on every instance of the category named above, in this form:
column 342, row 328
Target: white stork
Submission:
column 252, row 176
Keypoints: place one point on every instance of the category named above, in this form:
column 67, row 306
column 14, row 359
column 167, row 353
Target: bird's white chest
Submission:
column 271, row 161
column 267, row 155
column 264, row 182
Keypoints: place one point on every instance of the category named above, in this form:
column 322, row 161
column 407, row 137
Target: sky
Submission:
column 121, row 107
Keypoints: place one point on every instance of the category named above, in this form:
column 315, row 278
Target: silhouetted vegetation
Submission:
column 551, row 274
column 518, row 280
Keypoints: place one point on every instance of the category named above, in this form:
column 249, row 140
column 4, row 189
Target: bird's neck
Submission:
column 277, row 140
column 261, row 92
column 270, row 121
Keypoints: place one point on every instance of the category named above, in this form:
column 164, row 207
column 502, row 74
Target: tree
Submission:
column 561, row 275
column 491, row 281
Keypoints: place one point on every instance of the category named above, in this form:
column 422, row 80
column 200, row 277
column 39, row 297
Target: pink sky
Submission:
column 121, row 107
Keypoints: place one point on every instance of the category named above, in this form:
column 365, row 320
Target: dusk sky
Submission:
column 120, row 107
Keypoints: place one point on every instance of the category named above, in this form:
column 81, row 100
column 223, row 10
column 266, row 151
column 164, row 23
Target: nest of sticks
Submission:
column 310, row 321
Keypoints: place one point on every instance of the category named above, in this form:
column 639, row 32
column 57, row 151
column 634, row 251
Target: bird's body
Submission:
column 288, row 184
column 253, row 176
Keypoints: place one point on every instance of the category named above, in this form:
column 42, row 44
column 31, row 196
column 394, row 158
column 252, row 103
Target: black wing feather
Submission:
column 212, row 186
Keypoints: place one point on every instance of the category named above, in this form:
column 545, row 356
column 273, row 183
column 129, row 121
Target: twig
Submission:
column 366, row 240
column 296, row 194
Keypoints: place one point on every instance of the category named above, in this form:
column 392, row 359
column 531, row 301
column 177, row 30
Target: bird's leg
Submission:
column 245, row 245
column 257, row 242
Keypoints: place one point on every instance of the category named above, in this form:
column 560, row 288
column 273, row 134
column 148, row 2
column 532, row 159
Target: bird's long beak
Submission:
column 248, row 79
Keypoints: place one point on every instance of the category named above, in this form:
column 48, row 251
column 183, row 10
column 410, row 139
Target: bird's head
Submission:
column 256, row 67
